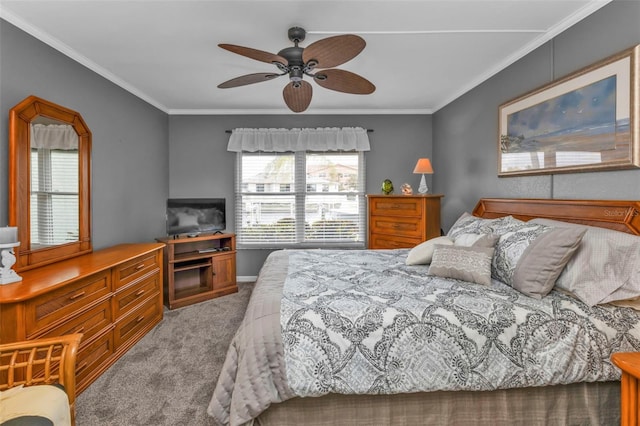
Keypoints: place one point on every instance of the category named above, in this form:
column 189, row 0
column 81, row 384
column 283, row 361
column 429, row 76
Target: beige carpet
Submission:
column 168, row 377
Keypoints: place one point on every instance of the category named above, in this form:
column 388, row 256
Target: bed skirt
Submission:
column 575, row 404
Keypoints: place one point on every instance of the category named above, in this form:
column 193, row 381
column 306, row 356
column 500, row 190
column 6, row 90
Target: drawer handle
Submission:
column 140, row 292
column 82, row 367
column 140, row 318
column 76, row 296
column 140, row 266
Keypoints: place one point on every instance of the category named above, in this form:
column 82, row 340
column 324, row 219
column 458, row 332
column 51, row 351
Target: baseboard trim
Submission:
column 246, row 279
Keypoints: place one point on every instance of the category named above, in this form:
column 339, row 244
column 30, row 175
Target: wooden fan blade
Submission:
column 333, row 51
column 297, row 98
column 258, row 55
column 344, row 81
column 248, row 79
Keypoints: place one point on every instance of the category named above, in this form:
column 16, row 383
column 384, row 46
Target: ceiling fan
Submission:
column 316, row 61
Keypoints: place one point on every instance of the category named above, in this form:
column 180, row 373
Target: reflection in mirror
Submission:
column 54, row 183
column 49, row 182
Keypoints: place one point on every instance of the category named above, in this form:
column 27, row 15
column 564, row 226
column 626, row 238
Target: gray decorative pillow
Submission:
column 604, row 269
column 472, row 264
column 422, row 253
column 530, row 257
column 476, row 240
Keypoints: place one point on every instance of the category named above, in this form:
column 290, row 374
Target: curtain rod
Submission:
column 368, row 131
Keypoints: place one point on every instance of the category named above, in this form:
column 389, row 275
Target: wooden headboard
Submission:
column 612, row 214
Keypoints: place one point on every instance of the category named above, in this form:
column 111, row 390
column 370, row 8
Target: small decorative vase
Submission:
column 387, row 187
column 7, row 260
column 406, row 189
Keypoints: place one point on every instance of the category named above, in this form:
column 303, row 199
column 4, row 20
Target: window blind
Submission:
column 54, row 196
column 300, row 199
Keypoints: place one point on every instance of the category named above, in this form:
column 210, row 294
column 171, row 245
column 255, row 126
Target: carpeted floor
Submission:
column 168, row 377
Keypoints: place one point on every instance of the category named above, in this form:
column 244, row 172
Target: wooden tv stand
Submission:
column 198, row 268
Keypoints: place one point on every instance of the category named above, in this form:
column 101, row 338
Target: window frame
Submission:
column 299, row 192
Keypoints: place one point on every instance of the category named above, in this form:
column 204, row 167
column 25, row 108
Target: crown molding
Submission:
column 552, row 32
column 73, row 54
column 283, row 111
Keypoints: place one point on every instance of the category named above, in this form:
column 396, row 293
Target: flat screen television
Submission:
column 194, row 216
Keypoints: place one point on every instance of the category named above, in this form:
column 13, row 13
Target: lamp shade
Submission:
column 423, row 166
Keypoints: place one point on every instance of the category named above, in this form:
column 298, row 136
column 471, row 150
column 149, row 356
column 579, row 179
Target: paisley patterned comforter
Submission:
column 339, row 321
column 364, row 322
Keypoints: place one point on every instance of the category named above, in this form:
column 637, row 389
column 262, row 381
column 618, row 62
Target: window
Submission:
column 319, row 199
column 54, row 194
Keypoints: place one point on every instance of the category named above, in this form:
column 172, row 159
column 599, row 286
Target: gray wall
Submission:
column 130, row 176
column 200, row 166
column 465, row 131
column 141, row 156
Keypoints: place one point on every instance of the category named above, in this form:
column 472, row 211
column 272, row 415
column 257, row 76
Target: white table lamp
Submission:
column 423, row 166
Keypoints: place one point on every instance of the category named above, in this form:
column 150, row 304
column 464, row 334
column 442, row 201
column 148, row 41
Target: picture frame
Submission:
column 585, row 121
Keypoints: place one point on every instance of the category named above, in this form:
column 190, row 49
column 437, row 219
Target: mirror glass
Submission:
column 49, row 182
column 54, row 183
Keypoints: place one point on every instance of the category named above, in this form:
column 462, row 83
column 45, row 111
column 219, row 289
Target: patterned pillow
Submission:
column 469, row 224
column 472, row 264
column 423, row 252
column 530, row 257
column 605, row 268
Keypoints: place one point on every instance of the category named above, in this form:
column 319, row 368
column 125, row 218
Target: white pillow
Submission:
column 423, row 252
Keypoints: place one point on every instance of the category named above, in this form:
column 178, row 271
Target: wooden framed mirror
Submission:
column 49, row 182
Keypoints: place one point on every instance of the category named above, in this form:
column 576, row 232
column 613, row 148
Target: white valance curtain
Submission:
column 54, row 136
column 291, row 140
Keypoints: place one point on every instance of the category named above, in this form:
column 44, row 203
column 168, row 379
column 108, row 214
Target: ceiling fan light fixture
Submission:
column 297, row 61
column 295, row 73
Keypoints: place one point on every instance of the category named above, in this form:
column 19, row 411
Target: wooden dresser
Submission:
column 402, row 221
column 112, row 296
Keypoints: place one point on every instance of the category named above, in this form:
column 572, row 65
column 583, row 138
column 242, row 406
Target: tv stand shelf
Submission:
column 198, row 268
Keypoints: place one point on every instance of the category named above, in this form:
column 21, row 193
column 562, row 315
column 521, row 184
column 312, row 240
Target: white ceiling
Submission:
column 421, row 55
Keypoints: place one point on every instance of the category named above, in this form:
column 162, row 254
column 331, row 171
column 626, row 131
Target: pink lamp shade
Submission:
column 423, row 166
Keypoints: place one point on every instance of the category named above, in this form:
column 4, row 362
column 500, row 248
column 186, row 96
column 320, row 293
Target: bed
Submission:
column 384, row 352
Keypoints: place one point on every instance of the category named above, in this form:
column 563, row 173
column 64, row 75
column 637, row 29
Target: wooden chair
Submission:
column 39, row 362
column 629, row 363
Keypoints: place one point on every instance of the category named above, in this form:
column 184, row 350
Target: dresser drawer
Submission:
column 396, row 206
column 130, row 271
column 383, row 241
column 136, row 321
column 89, row 323
column 59, row 305
column 91, row 357
column 412, row 227
column 133, row 296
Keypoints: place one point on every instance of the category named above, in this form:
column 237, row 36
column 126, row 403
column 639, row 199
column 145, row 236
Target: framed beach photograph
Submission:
column 585, row 121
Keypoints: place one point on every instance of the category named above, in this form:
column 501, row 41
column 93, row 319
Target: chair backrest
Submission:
column 41, row 361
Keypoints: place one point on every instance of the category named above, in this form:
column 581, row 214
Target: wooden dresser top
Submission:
column 49, row 277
